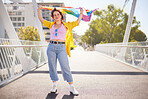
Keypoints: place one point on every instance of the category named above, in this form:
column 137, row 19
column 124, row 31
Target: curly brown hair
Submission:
column 58, row 11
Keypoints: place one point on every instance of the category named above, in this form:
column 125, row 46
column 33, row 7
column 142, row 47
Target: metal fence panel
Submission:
column 10, row 64
column 136, row 53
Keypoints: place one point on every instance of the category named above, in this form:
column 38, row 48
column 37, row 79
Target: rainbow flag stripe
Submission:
column 74, row 11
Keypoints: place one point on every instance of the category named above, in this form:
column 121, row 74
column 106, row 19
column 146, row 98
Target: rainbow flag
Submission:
column 74, row 11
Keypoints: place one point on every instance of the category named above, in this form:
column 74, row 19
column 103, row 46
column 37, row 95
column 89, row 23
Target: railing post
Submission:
column 39, row 54
column 2, row 66
column 13, row 63
column 144, row 63
column 132, row 55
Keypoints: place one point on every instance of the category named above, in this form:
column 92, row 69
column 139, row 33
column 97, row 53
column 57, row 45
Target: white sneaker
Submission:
column 73, row 91
column 54, row 89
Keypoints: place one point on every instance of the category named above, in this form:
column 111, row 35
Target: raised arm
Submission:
column 40, row 15
column 80, row 16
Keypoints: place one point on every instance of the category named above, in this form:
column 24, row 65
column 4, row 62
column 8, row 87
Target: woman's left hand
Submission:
column 80, row 16
column 81, row 10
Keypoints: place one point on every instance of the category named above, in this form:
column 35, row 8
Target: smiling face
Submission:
column 57, row 16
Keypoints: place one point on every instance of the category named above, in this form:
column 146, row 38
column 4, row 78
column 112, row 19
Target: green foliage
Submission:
column 30, row 33
column 110, row 26
column 80, row 43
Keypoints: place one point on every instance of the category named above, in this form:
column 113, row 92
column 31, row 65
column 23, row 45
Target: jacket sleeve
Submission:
column 46, row 23
column 73, row 24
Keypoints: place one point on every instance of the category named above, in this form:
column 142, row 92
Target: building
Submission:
column 21, row 14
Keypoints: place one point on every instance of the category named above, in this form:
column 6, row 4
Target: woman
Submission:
column 61, row 40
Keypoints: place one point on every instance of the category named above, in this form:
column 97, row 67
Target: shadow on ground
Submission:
column 98, row 72
column 51, row 96
column 71, row 96
column 54, row 95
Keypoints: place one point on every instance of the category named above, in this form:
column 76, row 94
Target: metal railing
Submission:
column 136, row 53
column 18, row 57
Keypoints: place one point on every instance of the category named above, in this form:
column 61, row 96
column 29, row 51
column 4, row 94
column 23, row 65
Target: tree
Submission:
column 30, row 33
column 137, row 35
column 109, row 27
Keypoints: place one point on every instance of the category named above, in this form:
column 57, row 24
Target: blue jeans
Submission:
column 54, row 52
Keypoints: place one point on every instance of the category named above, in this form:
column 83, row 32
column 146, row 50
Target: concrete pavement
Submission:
column 95, row 77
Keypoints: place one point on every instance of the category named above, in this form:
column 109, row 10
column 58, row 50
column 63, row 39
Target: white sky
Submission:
column 140, row 11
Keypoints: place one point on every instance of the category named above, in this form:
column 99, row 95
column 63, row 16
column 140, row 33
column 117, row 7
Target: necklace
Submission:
column 57, row 26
